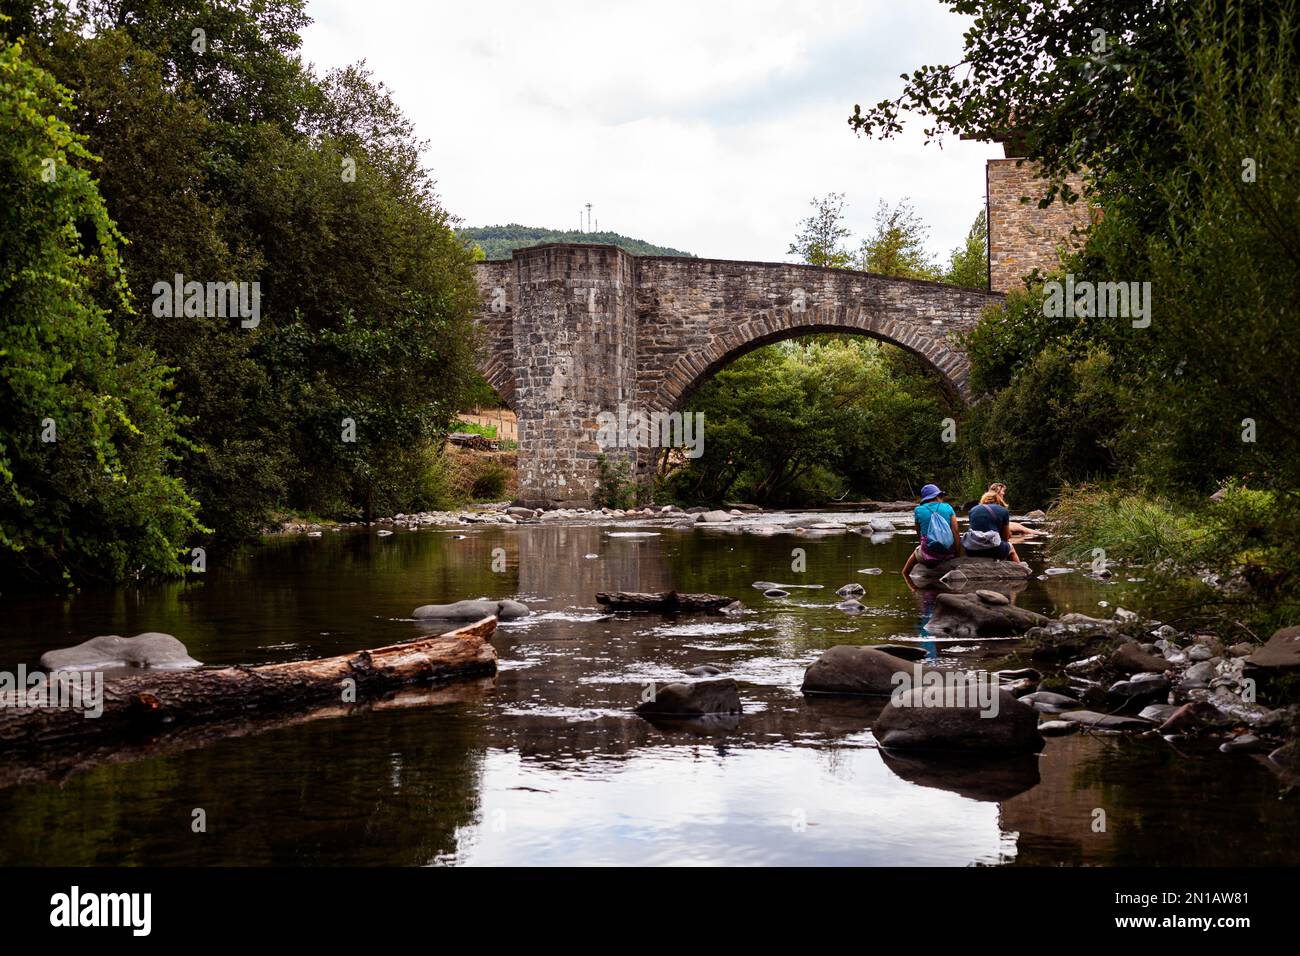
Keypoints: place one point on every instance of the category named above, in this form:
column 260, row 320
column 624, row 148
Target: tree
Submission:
column 968, row 266
column 819, row 241
column 897, row 245
column 87, row 440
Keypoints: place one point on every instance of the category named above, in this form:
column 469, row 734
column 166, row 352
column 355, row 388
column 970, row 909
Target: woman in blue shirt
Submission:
column 990, row 529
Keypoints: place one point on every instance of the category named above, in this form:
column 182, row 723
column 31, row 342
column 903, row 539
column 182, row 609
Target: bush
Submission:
column 1126, row 526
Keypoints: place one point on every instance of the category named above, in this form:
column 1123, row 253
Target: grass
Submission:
column 1128, row 527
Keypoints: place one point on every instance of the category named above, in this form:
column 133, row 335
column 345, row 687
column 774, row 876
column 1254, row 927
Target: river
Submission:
column 546, row 764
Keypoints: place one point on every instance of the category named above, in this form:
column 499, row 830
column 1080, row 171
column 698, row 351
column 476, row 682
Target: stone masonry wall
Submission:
column 1023, row 237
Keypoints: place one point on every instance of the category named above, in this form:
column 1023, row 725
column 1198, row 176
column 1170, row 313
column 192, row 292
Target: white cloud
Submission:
column 706, row 126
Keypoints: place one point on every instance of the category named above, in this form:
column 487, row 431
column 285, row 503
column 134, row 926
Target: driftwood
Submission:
column 158, row 701
column 666, row 602
column 57, row 761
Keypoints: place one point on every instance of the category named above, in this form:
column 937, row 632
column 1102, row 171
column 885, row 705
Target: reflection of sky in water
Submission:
column 787, row 806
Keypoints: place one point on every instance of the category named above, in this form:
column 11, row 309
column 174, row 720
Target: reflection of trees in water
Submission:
column 390, row 788
column 1162, row 807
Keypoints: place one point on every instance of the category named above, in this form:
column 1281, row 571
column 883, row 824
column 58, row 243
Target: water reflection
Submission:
column 547, row 764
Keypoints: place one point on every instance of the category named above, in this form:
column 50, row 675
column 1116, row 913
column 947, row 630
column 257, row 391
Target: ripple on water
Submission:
column 708, row 629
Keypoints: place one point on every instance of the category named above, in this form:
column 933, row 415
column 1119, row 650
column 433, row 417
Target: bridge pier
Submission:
column 574, row 334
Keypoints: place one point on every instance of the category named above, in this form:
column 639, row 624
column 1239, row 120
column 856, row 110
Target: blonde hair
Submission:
column 996, row 492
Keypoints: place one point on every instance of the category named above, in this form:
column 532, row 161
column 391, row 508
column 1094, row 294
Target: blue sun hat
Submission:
column 929, row 493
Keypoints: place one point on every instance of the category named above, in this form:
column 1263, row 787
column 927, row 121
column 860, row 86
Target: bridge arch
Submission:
column 693, row 369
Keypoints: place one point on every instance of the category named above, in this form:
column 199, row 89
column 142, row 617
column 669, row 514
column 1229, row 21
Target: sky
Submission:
column 707, row 126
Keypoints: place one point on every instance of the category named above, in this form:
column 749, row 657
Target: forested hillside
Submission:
column 497, row 242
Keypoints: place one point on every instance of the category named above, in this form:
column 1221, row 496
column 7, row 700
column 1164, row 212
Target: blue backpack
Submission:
column 938, row 531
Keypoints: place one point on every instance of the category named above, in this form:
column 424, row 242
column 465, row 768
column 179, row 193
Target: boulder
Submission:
column 1281, row 652
column 882, row 525
column 713, row 517
column 697, row 699
column 850, row 670
column 471, row 611
column 1191, row 718
column 974, row 571
column 151, row 649
column 1131, row 659
column 906, row 723
column 972, row 614
column 1141, row 689
column 523, row 514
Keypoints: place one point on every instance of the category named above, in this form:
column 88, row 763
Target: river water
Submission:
column 546, row 764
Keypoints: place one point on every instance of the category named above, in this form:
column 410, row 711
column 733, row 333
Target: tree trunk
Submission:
column 155, row 701
column 665, row 602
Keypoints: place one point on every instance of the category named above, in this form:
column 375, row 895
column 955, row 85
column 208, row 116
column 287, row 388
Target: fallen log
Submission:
column 667, row 602
column 154, row 702
column 58, row 761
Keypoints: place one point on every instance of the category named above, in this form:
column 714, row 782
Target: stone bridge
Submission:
column 569, row 331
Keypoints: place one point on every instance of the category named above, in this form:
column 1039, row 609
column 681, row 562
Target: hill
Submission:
column 497, row 242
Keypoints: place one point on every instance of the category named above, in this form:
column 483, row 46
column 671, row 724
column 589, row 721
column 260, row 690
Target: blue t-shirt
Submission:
column 922, row 516
column 988, row 517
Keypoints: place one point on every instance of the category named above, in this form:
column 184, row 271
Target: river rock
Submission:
column 1193, row 717
column 907, row 723
column 1036, row 515
column 851, row 590
column 1243, row 649
column 1281, row 652
column 1131, row 659
column 1095, row 721
column 973, row 571
column 992, row 597
column 523, row 514
column 1158, row 713
column 703, row 670
column 151, row 649
column 1140, row 689
column 473, row 610
column 971, row 614
column 713, row 517
column 882, row 525
column 776, row 593
column 849, row 670
column 697, row 699
column 852, row 605
column 1047, row 702
column 1246, row 743
column 1240, row 711
column 1057, row 728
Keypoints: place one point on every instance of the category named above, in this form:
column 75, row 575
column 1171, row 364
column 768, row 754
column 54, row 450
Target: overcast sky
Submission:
column 706, row 125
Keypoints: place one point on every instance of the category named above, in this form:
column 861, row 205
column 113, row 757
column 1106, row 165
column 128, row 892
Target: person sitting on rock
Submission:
column 1018, row 530
column 990, row 532
column 930, row 516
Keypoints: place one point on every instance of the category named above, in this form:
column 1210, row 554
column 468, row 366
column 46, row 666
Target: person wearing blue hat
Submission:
column 936, row 523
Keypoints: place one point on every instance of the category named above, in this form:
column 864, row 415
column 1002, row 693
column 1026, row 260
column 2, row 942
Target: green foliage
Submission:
column 470, row 428
column 497, row 242
column 896, row 247
column 968, row 265
column 820, row 239
column 88, row 490
column 1129, row 528
column 801, row 422
column 240, row 164
column 615, row 487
